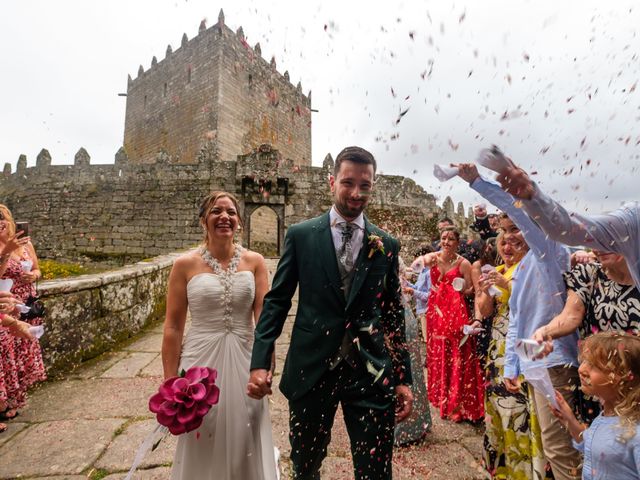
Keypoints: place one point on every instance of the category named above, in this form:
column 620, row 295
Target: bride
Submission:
column 223, row 286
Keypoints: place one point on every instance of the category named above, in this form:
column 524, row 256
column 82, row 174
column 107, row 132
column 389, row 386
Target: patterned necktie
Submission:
column 346, row 250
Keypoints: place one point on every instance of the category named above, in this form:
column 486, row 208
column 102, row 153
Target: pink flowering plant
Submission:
column 375, row 245
column 182, row 402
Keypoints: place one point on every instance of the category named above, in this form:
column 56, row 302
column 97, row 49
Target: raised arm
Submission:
column 613, row 232
column 618, row 231
column 534, row 236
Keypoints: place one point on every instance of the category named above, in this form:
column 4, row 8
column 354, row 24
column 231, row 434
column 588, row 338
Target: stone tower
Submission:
column 216, row 90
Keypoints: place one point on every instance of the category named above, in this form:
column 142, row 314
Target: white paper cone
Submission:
column 469, row 330
column 6, row 284
column 37, row 331
column 458, row 284
column 444, row 173
column 27, row 265
column 539, row 379
column 527, row 348
column 493, row 159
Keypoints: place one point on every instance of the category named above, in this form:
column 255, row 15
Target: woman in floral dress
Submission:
column 21, row 364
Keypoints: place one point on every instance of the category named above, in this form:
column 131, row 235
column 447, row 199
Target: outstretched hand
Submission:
column 404, row 402
column 259, row 383
column 467, row 171
column 516, row 181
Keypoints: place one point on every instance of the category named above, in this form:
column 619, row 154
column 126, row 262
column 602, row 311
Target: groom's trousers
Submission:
column 368, row 415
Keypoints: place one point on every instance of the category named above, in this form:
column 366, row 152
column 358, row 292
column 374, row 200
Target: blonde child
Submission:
column 610, row 371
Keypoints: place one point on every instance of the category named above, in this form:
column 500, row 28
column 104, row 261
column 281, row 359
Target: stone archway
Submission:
column 264, row 229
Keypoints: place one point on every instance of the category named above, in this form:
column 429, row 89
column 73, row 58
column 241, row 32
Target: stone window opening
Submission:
column 145, row 101
column 165, row 89
column 250, row 81
column 189, row 75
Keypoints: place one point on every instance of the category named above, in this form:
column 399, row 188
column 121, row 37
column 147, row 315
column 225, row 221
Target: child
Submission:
column 610, row 371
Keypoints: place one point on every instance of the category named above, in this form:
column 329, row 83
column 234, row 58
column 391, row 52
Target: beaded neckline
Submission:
column 215, row 264
column 226, row 280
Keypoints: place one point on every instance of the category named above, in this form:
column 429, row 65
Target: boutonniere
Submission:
column 375, row 245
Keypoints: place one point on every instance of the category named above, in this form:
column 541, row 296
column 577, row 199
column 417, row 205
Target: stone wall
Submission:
column 120, row 211
column 129, row 211
column 215, row 86
column 88, row 315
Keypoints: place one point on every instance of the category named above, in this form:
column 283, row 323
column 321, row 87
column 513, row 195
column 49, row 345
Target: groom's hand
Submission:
column 404, row 402
column 259, row 383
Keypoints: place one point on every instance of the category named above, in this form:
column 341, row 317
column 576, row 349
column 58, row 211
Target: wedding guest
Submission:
column 16, row 253
column 601, row 297
column 610, row 370
column 422, row 287
column 455, row 383
column 444, row 222
column 494, row 221
column 512, row 439
column 223, row 287
column 415, row 427
column 481, row 222
column 538, row 294
column 618, row 231
column 9, row 327
column 488, row 256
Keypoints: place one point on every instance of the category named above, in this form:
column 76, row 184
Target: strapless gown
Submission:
column 234, row 441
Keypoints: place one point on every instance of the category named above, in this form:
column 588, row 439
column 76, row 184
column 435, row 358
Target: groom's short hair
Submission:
column 355, row 155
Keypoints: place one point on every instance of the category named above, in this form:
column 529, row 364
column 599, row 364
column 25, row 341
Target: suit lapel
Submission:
column 362, row 266
column 327, row 253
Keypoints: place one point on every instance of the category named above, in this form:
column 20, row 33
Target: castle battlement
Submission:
column 215, row 87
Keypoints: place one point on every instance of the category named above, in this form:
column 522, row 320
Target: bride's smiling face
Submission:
column 222, row 219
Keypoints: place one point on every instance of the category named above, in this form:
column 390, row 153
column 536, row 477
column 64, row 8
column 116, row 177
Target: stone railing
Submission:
column 88, row 315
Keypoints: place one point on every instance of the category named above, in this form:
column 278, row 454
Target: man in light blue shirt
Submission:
column 618, row 231
column 538, row 294
column 421, row 289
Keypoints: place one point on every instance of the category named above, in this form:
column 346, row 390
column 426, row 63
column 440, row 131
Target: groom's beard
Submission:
column 347, row 211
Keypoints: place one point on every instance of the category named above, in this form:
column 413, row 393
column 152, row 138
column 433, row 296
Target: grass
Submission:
column 52, row 269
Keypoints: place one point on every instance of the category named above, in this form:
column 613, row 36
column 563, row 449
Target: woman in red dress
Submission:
column 454, row 377
column 21, row 361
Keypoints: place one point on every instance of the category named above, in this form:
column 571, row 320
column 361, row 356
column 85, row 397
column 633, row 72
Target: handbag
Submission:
column 36, row 308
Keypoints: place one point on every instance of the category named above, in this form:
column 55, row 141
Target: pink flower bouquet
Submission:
column 182, row 402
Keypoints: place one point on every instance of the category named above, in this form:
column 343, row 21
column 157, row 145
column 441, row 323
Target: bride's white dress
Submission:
column 234, row 441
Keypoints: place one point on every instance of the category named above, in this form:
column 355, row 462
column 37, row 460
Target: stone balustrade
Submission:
column 90, row 314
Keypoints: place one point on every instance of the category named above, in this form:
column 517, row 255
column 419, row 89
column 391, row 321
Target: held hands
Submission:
column 259, row 383
column 542, row 338
column 404, row 402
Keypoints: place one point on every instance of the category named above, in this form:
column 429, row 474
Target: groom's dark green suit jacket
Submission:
column 372, row 315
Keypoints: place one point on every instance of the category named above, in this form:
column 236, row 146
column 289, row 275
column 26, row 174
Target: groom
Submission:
column 348, row 341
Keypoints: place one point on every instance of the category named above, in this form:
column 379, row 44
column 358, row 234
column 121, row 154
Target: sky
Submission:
column 553, row 84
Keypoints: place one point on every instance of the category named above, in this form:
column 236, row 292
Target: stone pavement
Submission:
column 90, row 424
